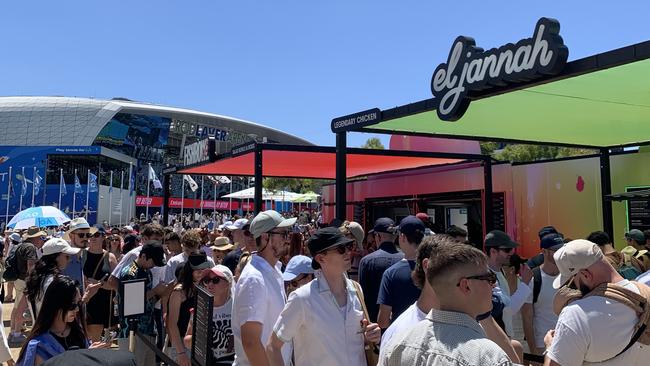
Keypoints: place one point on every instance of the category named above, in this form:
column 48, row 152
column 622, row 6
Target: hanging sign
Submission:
column 357, row 120
column 470, row 68
column 199, row 152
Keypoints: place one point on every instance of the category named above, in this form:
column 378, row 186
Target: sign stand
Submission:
column 132, row 305
column 202, row 328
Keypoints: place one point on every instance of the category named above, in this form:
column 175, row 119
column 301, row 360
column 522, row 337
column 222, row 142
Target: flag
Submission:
column 131, row 182
column 193, row 185
column 62, row 188
column 212, row 179
column 223, row 180
column 92, row 183
column 77, row 185
column 154, row 179
column 37, row 183
column 23, row 192
column 10, row 183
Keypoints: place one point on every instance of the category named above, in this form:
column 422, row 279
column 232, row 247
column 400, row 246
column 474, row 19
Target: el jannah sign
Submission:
column 470, row 68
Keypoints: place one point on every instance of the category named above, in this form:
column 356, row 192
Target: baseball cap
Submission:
column 237, row 225
column 552, row 242
column 636, row 235
column 572, row 257
column 410, row 225
column 199, row 261
column 422, row 216
column 225, row 225
column 155, row 251
column 545, row 231
column 268, row 220
column 384, row 225
column 297, row 265
column 499, row 239
column 58, row 245
column 218, row 271
column 15, row 237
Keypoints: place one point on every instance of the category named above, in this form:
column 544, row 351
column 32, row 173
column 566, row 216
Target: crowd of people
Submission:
column 292, row 291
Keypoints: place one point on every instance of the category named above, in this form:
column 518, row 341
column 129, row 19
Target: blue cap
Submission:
column 384, row 225
column 296, row 266
column 410, row 225
column 552, row 242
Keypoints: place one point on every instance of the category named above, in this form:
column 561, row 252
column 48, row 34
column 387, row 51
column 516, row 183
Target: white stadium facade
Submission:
column 46, row 140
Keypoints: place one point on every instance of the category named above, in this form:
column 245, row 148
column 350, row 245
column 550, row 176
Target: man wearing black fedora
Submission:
column 324, row 318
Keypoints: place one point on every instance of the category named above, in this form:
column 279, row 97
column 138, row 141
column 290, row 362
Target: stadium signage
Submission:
column 199, row 152
column 242, row 149
column 469, row 68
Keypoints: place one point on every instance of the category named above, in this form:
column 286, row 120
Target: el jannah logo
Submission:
column 580, row 184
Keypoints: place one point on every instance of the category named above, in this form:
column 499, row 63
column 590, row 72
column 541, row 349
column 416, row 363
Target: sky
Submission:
column 290, row 65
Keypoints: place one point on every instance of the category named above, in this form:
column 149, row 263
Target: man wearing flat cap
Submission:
column 373, row 266
column 324, row 318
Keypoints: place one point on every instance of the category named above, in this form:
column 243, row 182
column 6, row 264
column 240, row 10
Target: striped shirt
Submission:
column 445, row 338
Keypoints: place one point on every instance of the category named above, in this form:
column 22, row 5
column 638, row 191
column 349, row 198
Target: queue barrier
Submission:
column 159, row 353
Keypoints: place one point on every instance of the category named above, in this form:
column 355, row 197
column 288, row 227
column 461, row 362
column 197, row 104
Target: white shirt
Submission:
column 126, row 261
column 321, row 335
column 174, row 262
column 512, row 303
column 595, row 329
column 259, row 297
column 544, row 319
column 405, row 321
column 644, row 278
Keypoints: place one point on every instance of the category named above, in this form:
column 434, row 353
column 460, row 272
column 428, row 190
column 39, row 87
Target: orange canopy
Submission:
column 314, row 164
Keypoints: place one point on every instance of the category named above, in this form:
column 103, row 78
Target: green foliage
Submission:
column 373, row 143
column 522, row 153
column 294, row 185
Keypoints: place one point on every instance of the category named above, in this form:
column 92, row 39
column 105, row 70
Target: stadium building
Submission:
column 52, row 147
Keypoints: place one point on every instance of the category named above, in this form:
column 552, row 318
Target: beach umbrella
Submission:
column 41, row 216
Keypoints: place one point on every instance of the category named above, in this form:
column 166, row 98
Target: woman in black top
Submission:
column 98, row 264
column 181, row 300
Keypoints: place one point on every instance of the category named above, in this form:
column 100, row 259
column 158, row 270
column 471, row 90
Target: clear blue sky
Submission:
column 292, row 65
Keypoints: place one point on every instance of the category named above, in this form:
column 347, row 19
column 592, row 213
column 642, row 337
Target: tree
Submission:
column 523, row 153
column 373, row 143
column 294, row 184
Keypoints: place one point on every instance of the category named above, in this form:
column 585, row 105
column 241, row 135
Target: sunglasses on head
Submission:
column 213, row 280
column 490, row 277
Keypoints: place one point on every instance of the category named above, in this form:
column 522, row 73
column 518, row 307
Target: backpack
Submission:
column 626, row 269
column 11, row 265
column 640, row 303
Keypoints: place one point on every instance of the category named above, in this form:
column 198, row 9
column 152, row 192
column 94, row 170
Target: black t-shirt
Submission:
column 72, row 341
column 231, row 260
column 24, row 252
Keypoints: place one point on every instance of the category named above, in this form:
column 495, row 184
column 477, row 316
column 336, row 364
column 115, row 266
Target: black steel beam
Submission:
column 606, row 189
column 259, row 180
column 341, row 175
column 488, row 205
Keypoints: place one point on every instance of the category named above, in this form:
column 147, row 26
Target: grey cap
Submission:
column 269, row 220
column 499, row 239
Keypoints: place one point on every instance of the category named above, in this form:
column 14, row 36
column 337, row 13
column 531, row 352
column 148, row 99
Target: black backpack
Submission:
column 11, row 265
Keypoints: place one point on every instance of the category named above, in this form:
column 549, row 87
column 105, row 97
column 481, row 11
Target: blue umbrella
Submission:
column 41, row 216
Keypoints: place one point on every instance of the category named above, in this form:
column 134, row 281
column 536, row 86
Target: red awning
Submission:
column 307, row 164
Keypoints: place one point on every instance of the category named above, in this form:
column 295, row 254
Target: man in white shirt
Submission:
column 259, row 293
column 325, row 318
column 537, row 313
column 592, row 329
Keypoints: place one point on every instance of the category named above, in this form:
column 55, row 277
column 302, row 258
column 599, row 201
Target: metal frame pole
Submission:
column 258, row 179
column 166, row 195
column 341, row 175
column 606, row 189
column 488, row 204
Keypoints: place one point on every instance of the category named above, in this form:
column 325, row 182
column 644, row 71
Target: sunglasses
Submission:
column 85, row 235
column 284, row 234
column 341, row 249
column 114, row 239
column 506, row 250
column 213, row 280
column 97, row 235
column 294, row 283
column 490, row 277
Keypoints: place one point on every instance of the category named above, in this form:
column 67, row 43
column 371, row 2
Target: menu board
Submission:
column 638, row 212
column 499, row 210
column 202, row 328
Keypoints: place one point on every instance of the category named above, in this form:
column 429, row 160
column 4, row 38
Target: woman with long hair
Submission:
column 58, row 326
column 219, row 282
column 56, row 255
column 115, row 246
column 181, row 300
column 98, row 266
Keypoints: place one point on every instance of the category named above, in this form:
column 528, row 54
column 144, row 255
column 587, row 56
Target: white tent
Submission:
column 249, row 193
